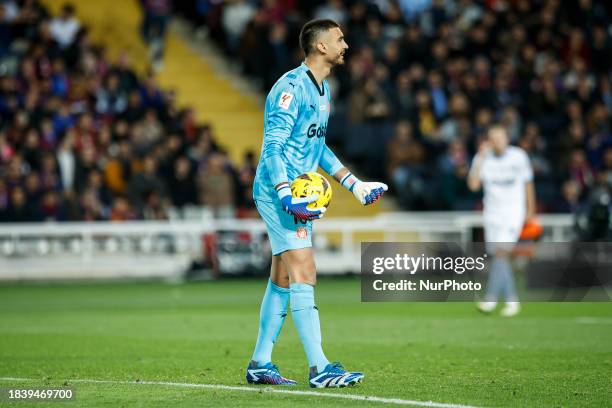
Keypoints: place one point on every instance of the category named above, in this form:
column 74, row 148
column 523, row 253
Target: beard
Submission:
column 339, row 60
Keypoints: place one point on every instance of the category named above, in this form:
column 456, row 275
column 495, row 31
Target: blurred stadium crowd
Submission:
column 424, row 78
column 83, row 137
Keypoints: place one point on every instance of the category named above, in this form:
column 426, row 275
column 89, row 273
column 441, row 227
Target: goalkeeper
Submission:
column 295, row 122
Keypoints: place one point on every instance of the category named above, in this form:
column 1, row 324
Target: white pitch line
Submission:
column 354, row 397
column 593, row 320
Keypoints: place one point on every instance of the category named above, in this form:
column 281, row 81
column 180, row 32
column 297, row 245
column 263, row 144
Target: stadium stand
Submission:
column 427, row 77
column 87, row 134
column 85, row 137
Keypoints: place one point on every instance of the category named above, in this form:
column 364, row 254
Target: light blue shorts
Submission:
column 284, row 230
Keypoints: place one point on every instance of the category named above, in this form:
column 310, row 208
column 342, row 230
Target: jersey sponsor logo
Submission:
column 301, row 233
column 315, row 130
column 285, row 100
column 503, row 182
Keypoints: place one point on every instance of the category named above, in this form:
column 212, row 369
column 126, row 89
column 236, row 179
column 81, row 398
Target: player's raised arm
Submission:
column 475, row 174
column 473, row 180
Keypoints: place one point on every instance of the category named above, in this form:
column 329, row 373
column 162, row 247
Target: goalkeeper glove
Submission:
column 297, row 206
column 366, row 192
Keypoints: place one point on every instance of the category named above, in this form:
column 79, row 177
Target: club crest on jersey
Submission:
column 285, row 100
column 301, row 233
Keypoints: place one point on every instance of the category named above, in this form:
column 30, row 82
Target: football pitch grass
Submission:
column 551, row 355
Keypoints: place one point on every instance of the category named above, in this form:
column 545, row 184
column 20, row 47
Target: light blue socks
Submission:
column 501, row 281
column 306, row 317
column 271, row 318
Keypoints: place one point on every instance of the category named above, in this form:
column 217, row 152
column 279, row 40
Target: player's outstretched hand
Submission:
column 297, row 206
column 368, row 192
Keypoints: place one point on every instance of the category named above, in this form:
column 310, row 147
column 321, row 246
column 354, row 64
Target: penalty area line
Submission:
column 270, row 390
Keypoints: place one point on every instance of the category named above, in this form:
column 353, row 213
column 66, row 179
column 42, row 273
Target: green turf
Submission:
column 204, row 333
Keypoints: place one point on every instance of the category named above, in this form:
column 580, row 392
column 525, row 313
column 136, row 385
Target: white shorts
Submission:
column 502, row 233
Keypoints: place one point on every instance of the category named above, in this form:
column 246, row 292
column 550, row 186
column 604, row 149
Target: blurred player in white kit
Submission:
column 505, row 174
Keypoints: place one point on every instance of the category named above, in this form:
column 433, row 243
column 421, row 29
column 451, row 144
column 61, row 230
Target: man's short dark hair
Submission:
column 68, row 8
column 311, row 31
column 497, row 126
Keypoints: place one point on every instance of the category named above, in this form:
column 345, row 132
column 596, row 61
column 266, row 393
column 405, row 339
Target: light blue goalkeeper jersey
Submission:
column 295, row 124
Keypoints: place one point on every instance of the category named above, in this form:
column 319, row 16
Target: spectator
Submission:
column 236, row 16
column 333, row 10
column 438, row 94
column 216, row 187
column 601, row 50
column 95, row 185
column 86, row 162
column 63, row 120
column 67, row 162
column 155, row 21
column 579, row 169
column 182, row 184
column 31, row 149
column 154, row 207
column 48, row 135
column 454, row 167
column 145, row 182
column 49, row 176
column 604, row 175
column 19, row 209
column 405, row 160
column 246, row 175
column 111, row 99
column 534, row 147
column 151, row 128
column 121, row 210
column 64, row 28
column 425, row 117
column 448, row 68
column 74, row 125
column 368, row 103
column 33, row 188
column 50, row 207
column 569, row 201
column 4, row 199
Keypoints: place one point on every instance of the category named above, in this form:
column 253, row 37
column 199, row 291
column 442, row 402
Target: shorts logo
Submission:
column 285, row 100
column 302, row 233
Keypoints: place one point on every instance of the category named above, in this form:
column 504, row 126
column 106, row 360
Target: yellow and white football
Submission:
column 312, row 183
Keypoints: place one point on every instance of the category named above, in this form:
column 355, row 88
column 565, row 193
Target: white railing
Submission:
column 166, row 248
